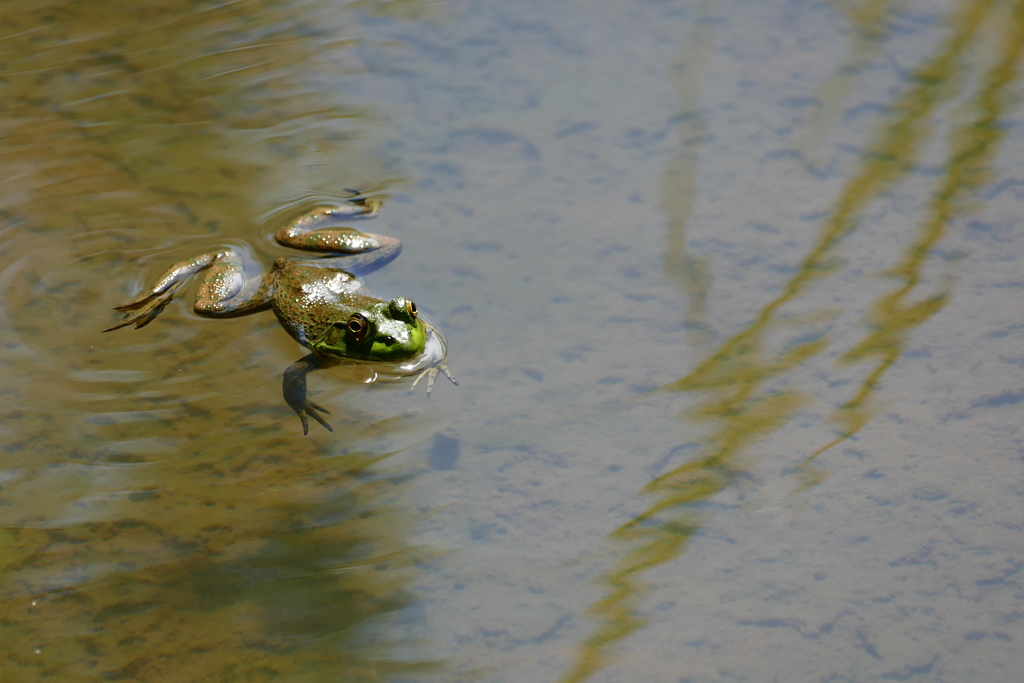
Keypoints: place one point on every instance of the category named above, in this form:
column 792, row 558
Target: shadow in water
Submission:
column 743, row 383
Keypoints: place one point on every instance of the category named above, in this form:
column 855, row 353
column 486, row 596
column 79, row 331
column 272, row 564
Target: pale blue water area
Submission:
column 731, row 289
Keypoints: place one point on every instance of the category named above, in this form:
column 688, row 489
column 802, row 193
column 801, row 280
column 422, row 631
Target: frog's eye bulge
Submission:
column 358, row 328
column 403, row 309
column 334, row 334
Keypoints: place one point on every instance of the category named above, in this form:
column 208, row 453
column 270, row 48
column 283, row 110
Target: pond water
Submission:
column 731, row 288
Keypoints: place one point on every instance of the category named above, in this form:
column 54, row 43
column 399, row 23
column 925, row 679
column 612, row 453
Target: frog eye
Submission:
column 357, row 328
column 334, row 334
column 403, row 309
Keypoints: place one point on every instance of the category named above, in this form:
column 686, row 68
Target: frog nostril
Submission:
column 389, row 340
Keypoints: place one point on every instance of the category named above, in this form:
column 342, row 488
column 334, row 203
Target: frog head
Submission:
column 387, row 331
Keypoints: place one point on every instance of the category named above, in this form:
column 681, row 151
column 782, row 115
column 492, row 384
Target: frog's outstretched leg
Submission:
column 142, row 309
column 352, row 209
column 223, row 293
column 357, row 251
column 296, row 395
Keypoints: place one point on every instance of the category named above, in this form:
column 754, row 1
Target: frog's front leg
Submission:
column 296, row 395
column 223, row 292
column 431, row 375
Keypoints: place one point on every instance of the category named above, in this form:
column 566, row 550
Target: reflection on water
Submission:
column 229, row 566
column 160, row 519
column 872, row 24
column 744, row 383
column 972, row 145
column 161, row 514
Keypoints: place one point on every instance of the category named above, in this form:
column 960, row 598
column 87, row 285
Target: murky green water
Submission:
column 731, row 289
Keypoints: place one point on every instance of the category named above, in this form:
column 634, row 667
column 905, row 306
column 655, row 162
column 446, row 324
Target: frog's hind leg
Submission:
column 141, row 310
column 223, row 292
column 319, row 231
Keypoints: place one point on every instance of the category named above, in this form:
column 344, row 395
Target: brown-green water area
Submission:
column 732, row 290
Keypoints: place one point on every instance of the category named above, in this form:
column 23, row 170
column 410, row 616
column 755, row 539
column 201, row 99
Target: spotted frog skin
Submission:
column 320, row 302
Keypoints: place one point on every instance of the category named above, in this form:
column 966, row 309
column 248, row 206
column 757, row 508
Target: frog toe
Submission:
column 431, row 375
column 310, row 410
column 140, row 313
column 136, row 303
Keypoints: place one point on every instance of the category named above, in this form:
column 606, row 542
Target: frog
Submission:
column 321, row 301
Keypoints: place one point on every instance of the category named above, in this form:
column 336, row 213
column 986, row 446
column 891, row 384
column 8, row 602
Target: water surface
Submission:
column 730, row 289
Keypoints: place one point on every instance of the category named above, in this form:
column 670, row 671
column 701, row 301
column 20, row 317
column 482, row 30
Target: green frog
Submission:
column 320, row 302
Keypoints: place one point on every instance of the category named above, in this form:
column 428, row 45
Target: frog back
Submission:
column 309, row 298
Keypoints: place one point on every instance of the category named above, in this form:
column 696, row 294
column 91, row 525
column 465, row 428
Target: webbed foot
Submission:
column 431, row 375
column 296, row 395
column 141, row 310
column 309, row 408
